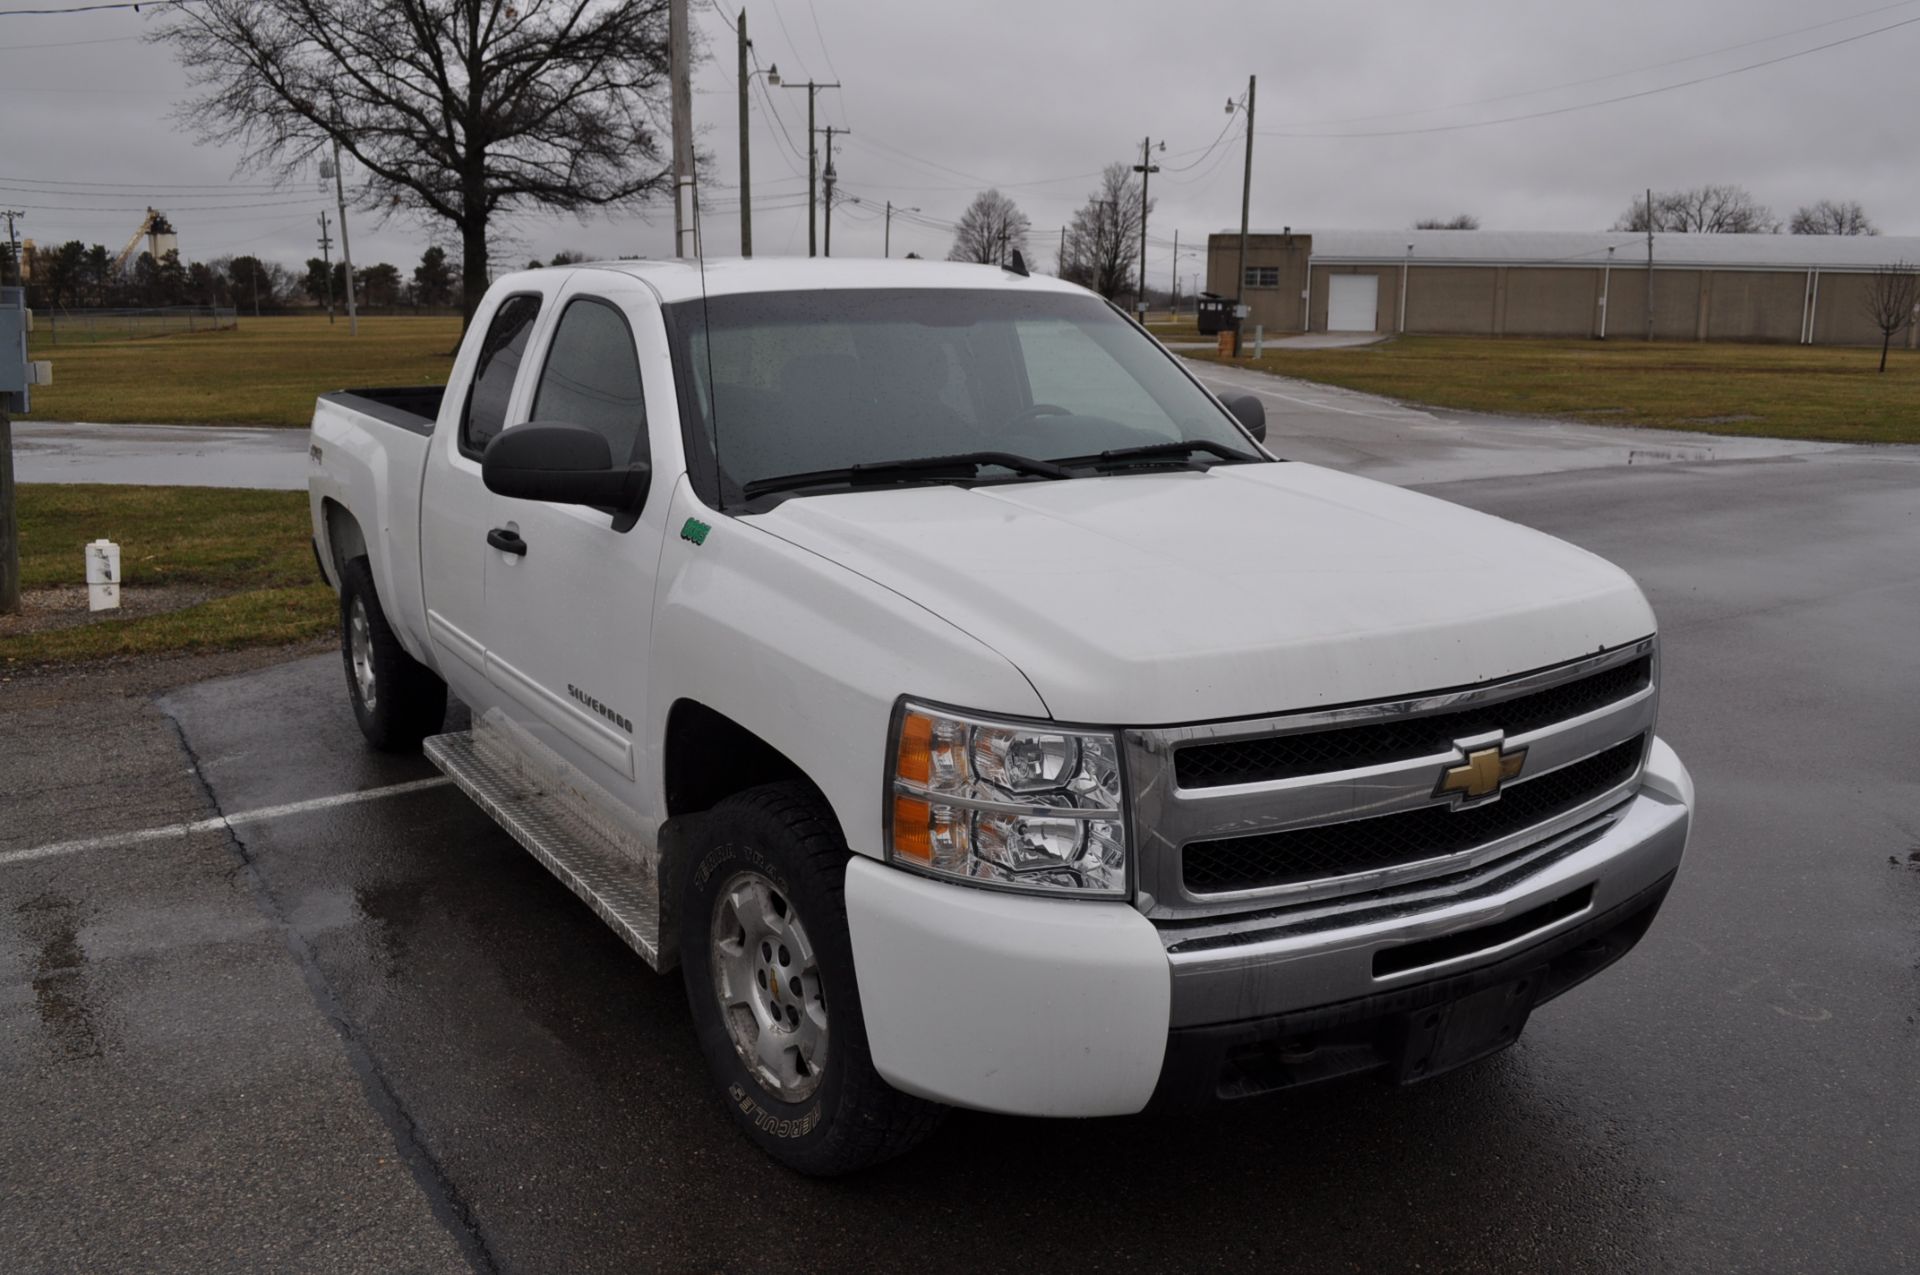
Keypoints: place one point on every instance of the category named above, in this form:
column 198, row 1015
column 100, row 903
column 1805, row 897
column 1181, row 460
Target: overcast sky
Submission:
column 945, row 99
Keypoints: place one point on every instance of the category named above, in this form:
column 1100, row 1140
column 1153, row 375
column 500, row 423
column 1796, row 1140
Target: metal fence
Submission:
column 82, row 327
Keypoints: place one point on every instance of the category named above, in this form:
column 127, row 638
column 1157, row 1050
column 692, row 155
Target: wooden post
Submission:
column 9, row 524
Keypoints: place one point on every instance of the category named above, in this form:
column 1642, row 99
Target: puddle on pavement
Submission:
column 1668, row 455
column 62, row 991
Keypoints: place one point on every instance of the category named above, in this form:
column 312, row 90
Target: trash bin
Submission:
column 1215, row 314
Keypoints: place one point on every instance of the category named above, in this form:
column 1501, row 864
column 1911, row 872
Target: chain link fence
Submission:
column 84, row 327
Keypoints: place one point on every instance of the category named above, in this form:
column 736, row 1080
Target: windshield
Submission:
column 790, row 382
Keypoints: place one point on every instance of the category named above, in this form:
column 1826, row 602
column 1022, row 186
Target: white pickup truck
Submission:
column 975, row 711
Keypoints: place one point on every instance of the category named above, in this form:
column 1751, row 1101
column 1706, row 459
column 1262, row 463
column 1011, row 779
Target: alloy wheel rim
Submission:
column 767, row 982
column 360, row 653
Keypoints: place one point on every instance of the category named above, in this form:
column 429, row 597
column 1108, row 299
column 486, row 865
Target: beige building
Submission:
column 1805, row 289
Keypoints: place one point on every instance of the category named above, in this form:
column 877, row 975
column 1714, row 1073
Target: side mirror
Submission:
column 1252, row 413
column 563, row 464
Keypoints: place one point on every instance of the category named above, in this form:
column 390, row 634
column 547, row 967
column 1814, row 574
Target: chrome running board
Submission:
column 561, row 821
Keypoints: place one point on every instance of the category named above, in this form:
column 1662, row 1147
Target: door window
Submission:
column 494, row 373
column 592, row 379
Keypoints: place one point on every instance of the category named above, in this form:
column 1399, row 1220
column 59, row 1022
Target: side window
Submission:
column 592, row 379
column 493, row 375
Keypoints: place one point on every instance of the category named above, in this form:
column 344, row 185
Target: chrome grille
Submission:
column 1309, row 854
column 1363, row 813
column 1247, row 761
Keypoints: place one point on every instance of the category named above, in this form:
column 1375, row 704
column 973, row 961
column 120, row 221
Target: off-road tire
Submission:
column 409, row 699
column 786, row 834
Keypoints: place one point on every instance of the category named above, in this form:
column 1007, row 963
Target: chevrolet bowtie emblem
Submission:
column 1479, row 777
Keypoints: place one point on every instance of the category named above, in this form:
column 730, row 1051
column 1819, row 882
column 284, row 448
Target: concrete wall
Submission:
column 1756, row 305
column 1278, row 308
column 1455, row 300
column 1548, row 302
column 1496, row 299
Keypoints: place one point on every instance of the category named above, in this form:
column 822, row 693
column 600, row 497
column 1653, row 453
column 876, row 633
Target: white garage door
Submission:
column 1353, row 301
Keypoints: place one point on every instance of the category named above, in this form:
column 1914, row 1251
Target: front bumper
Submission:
column 1035, row 1006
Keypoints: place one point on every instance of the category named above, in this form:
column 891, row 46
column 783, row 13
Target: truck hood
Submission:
column 1157, row 598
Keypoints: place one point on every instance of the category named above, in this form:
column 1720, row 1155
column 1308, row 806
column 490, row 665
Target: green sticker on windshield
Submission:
column 695, row 530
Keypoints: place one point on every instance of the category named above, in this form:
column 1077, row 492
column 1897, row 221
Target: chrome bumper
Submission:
column 1274, row 963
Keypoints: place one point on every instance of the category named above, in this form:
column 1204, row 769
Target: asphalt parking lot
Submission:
column 375, row 1035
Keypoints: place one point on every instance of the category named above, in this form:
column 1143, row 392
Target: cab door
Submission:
column 570, row 609
column 454, row 502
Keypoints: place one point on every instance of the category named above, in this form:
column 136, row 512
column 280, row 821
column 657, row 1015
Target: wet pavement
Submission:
column 385, row 1024
column 163, row 455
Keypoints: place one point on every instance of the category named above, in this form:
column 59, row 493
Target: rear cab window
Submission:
column 485, row 413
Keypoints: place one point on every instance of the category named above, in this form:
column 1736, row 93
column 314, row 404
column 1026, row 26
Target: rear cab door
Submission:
column 488, row 381
column 569, row 620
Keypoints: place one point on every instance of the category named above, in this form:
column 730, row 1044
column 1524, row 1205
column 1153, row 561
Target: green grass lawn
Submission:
column 250, row 548
column 1784, row 391
column 265, row 372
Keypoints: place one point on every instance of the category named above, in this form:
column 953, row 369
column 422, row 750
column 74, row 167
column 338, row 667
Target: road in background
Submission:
column 160, row 455
column 1323, row 424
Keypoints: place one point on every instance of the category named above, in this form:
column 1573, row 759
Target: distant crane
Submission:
column 158, row 231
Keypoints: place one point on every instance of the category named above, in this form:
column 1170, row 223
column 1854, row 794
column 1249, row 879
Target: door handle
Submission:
column 507, row 541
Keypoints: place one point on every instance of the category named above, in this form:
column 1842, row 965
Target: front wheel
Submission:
column 397, row 700
column 768, row 966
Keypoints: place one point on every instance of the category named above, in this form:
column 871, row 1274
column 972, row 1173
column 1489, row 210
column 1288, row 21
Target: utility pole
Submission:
column 326, row 259
column 1246, row 201
column 746, row 178
column 1649, row 263
column 1060, row 260
column 1175, row 272
column 813, row 167
column 346, row 252
column 887, row 249
column 686, row 239
column 827, row 180
column 1146, row 168
column 13, row 242
column 9, row 523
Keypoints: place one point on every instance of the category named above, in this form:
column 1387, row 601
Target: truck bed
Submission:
column 409, row 407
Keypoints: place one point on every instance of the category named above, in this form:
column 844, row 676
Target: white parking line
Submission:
column 125, row 839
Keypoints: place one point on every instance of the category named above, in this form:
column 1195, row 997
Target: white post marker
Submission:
column 103, row 576
column 1259, row 339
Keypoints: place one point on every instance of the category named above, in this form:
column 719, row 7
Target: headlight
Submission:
column 1012, row 804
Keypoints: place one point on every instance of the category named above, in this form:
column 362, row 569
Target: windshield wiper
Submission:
column 928, row 468
column 1156, row 453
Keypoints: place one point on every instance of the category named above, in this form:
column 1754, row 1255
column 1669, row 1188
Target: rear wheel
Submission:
column 397, row 700
column 768, row 965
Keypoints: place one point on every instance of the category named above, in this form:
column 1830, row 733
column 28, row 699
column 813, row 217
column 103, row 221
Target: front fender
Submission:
column 807, row 655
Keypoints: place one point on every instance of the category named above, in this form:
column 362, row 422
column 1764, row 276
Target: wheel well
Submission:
column 709, row 757
column 345, row 540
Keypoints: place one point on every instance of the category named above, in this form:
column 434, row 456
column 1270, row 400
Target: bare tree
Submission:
column 1893, row 294
column 1702, row 210
column 1832, row 217
column 455, row 109
column 1459, row 221
column 991, row 230
column 1104, row 236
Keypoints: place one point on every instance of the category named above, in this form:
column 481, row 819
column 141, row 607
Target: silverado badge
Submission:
column 1479, row 777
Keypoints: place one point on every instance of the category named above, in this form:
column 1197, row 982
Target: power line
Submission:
column 91, row 8
column 68, row 44
column 118, row 187
column 1613, row 75
column 792, row 46
column 275, row 203
column 1607, row 101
